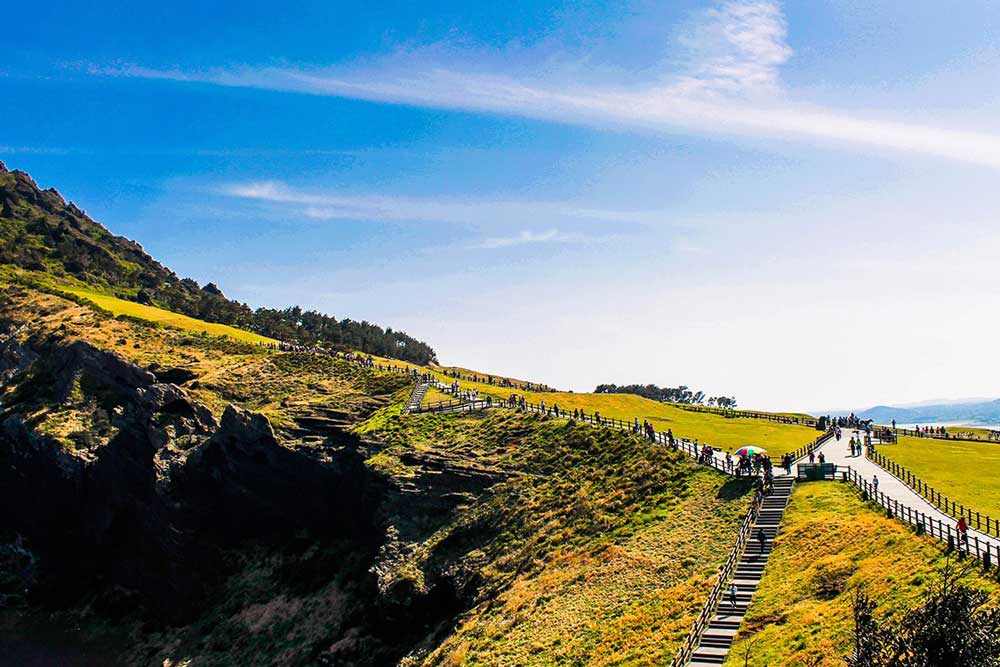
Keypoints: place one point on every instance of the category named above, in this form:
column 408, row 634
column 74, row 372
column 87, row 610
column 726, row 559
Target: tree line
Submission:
column 681, row 394
column 40, row 232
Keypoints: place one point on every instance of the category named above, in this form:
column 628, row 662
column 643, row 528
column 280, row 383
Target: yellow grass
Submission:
column 436, row 396
column 167, row 318
column 709, row 427
column 830, row 543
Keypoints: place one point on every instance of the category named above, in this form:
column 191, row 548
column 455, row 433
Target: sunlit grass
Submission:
column 435, row 396
column 167, row 318
column 963, row 471
column 597, row 548
column 831, row 543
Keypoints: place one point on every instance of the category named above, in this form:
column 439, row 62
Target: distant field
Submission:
column 716, row 430
column 964, row 471
column 710, row 427
column 830, row 543
column 165, row 317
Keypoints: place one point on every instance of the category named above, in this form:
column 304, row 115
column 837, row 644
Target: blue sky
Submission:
column 719, row 194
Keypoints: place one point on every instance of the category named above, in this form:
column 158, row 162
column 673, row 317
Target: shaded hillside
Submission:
column 39, row 231
column 194, row 498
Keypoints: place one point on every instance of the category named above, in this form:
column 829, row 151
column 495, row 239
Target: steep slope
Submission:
column 41, row 233
column 182, row 497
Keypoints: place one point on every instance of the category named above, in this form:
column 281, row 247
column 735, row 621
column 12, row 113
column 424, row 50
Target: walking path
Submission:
column 416, row 397
column 895, row 490
column 721, row 632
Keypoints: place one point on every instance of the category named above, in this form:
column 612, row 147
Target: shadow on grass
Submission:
column 734, row 489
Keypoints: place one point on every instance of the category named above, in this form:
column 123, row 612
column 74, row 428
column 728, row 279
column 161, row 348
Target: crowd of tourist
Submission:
column 495, row 381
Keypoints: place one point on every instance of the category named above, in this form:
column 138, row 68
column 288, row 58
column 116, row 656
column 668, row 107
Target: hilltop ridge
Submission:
column 41, row 232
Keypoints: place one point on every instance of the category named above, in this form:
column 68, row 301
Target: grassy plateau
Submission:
column 958, row 469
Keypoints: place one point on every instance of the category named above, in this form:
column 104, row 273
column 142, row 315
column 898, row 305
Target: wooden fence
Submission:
column 981, row 522
column 982, row 549
column 748, row 414
column 942, row 436
column 683, row 654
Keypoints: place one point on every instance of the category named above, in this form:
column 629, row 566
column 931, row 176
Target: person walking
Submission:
column 761, row 540
column 875, row 482
column 732, row 595
column 963, row 532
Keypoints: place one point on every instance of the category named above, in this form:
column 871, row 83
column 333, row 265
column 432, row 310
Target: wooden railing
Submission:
column 693, row 639
column 977, row 520
column 748, row 414
column 972, row 437
column 983, row 549
column 804, row 450
column 690, row 447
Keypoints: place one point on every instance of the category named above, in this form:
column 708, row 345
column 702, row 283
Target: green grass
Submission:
column 596, row 547
column 166, row 318
column 435, row 396
column 960, row 470
column 710, row 427
column 829, row 544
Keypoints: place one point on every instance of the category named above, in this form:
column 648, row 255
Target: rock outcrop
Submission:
column 144, row 519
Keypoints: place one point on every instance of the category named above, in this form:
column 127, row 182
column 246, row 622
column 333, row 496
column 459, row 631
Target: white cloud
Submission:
column 523, row 237
column 336, row 206
column 730, row 86
column 736, row 48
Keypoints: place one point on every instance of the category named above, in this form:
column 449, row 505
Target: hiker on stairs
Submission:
column 761, row 539
column 732, row 594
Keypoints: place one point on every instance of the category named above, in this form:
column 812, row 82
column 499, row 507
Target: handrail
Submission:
column 984, row 550
column 684, row 652
column 610, row 422
column 682, row 444
column 748, row 414
column 935, row 497
column 804, row 450
column 941, row 436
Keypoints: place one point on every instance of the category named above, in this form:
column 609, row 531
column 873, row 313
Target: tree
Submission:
column 953, row 626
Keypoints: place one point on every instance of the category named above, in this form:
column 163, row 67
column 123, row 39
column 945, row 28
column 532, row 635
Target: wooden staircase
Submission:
column 416, row 397
column 718, row 637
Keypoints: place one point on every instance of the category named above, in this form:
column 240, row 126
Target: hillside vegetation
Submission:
column 40, row 232
column 830, row 544
column 216, row 370
column 713, row 428
column 605, row 544
column 118, row 306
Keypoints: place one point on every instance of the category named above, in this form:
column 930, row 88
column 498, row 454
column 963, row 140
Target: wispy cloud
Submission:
column 338, row 206
column 730, row 85
column 34, row 150
column 525, row 237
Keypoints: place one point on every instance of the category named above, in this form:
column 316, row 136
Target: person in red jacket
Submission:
column 963, row 531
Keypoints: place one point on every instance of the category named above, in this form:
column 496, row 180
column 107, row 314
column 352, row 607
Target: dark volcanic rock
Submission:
column 145, row 519
column 252, row 485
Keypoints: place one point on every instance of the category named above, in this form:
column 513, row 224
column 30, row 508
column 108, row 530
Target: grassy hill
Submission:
column 831, row 543
column 41, row 233
column 117, row 306
column 711, row 427
column 607, row 543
